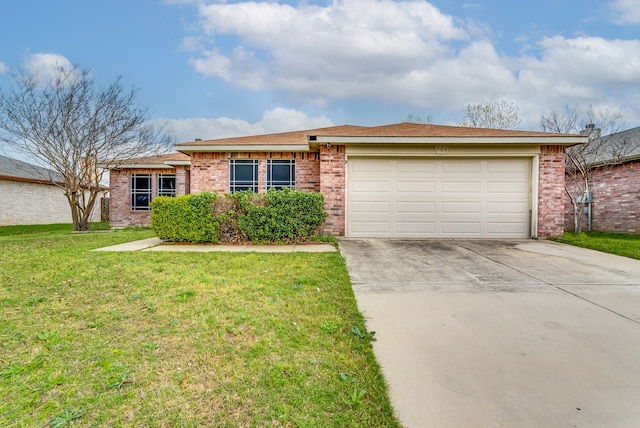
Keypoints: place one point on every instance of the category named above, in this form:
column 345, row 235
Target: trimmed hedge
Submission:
column 276, row 216
column 280, row 215
column 186, row 218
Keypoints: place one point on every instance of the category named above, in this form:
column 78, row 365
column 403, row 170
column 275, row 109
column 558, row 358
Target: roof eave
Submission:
column 244, row 148
column 178, row 162
column 555, row 140
column 136, row 166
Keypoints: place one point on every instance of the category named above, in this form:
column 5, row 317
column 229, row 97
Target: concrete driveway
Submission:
column 516, row 333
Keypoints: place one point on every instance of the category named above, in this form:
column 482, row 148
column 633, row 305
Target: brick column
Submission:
column 332, row 186
column 551, row 182
column 181, row 181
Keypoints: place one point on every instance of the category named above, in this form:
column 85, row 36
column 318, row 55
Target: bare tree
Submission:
column 428, row 119
column 69, row 125
column 603, row 150
column 493, row 114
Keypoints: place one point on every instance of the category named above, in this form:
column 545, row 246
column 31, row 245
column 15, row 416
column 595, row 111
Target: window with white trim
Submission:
column 243, row 175
column 281, row 174
column 140, row 192
column 166, row 184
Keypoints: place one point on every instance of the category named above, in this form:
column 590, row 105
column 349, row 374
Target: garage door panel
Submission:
column 371, row 186
column 374, row 228
column 459, row 227
column 506, row 228
column 460, row 207
column 453, row 198
column 410, row 228
column 409, row 167
column 506, row 167
column 461, row 187
column 373, row 165
column 371, row 207
column 506, row 207
column 507, row 187
column 416, row 186
column 468, row 167
column 415, row 207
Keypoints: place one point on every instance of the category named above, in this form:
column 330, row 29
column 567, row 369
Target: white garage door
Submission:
column 439, row 198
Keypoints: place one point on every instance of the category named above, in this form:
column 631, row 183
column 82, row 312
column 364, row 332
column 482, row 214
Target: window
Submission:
column 243, row 175
column 140, row 191
column 280, row 174
column 166, row 185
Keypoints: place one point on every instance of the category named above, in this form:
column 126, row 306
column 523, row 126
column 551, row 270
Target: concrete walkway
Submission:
column 156, row 244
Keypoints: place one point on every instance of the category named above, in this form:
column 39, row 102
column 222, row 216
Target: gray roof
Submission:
column 24, row 171
column 612, row 142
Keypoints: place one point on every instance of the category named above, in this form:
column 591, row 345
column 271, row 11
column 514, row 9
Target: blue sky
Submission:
column 218, row 69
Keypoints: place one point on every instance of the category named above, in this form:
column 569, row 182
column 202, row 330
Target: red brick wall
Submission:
column 182, row 180
column 332, row 185
column 616, row 200
column 210, row 171
column 120, row 213
column 551, row 191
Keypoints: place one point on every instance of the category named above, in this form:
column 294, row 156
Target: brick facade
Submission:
column 551, row 191
column 616, row 200
column 211, row 170
column 120, row 212
column 24, row 202
column 333, row 167
column 323, row 171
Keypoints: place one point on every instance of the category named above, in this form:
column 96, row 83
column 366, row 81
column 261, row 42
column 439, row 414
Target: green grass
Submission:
column 46, row 228
column 181, row 339
column 614, row 243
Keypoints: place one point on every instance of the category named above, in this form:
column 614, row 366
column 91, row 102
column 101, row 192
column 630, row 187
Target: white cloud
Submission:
column 3, row 68
column 583, row 68
column 343, row 49
column 408, row 53
column 626, row 11
column 45, row 66
column 272, row 121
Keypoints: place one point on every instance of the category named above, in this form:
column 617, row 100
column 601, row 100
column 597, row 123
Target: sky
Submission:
column 216, row 69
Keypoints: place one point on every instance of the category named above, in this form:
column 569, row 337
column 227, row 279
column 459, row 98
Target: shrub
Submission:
column 186, row 218
column 280, row 215
column 276, row 216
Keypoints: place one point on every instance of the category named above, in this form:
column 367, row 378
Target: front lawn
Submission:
column 180, row 339
column 614, row 243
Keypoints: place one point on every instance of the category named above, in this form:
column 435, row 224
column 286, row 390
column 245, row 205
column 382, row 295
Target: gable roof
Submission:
column 16, row 170
column 396, row 133
column 611, row 143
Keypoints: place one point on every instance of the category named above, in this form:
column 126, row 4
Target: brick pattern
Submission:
column 182, row 180
column 551, row 191
column 35, row 203
column 120, row 213
column 210, row 171
column 333, row 167
column 616, row 200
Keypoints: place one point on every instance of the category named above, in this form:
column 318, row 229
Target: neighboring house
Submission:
column 30, row 195
column 614, row 185
column 404, row 180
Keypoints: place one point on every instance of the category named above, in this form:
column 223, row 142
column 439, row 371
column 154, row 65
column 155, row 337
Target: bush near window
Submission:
column 280, row 215
column 276, row 216
column 186, row 218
